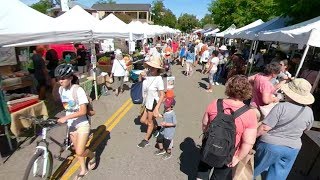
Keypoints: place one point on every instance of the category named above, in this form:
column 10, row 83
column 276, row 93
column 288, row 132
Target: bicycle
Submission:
column 40, row 165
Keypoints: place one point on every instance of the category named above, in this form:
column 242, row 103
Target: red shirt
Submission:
column 175, row 46
column 247, row 120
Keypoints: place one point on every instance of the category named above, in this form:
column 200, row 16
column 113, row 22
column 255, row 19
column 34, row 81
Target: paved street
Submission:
column 119, row 157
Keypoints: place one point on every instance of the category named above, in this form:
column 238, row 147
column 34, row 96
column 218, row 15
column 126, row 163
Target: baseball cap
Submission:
column 169, row 102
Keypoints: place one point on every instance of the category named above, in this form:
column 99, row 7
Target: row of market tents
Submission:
column 304, row 34
column 21, row 25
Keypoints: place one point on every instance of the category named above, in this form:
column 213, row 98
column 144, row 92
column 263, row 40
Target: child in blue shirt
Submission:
column 168, row 129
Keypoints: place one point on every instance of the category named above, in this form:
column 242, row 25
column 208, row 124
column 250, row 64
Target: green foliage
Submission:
column 241, row 12
column 299, row 10
column 207, row 19
column 187, row 22
column 42, row 6
column 106, row 2
column 161, row 15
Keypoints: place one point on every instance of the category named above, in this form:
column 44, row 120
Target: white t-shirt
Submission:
column 198, row 48
column 151, row 86
column 205, row 56
column 119, row 68
column 215, row 62
column 71, row 106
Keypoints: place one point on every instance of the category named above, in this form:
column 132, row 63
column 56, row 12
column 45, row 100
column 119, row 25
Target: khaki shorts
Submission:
column 84, row 129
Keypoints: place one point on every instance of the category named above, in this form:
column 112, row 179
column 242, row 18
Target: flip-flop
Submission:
column 92, row 162
column 80, row 176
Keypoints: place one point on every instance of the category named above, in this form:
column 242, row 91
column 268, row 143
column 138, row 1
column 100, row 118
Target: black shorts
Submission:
column 153, row 106
column 166, row 142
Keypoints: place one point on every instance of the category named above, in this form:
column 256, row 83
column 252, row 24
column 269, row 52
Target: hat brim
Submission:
column 305, row 100
column 154, row 65
column 223, row 49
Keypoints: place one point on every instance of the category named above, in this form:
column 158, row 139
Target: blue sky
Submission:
column 196, row 7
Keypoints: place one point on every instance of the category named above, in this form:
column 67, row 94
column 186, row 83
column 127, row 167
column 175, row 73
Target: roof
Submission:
column 122, row 7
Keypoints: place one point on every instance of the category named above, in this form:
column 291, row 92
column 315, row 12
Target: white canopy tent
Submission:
column 137, row 27
column 112, row 27
column 252, row 33
column 212, row 32
column 231, row 34
column 19, row 23
column 296, row 34
column 228, row 30
column 304, row 33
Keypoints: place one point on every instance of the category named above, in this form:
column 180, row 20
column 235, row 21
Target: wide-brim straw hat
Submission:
column 154, row 62
column 223, row 48
column 158, row 46
column 299, row 90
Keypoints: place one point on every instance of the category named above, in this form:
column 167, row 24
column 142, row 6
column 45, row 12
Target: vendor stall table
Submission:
column 17, row 124
column 17, row 83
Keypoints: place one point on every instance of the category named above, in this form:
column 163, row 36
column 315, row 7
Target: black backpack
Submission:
column 218, row 144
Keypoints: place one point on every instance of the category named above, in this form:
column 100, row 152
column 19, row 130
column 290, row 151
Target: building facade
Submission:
column 140, row 12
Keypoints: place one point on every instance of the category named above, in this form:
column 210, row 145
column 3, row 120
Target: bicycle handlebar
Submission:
column 40, row 121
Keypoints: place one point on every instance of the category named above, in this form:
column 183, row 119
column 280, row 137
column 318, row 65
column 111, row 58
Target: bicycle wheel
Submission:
column 36, row 164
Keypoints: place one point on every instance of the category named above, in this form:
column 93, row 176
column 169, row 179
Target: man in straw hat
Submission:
column 281, row 131
column 153, row 93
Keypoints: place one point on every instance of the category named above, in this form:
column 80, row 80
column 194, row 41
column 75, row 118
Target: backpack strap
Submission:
column 220, row 106
column 240, row 111
column 74, row 93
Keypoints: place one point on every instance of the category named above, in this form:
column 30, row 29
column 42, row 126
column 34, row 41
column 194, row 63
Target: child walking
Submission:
column 168, row 129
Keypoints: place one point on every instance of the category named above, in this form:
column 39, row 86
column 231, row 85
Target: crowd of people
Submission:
column 264, row 107
column 271, row 101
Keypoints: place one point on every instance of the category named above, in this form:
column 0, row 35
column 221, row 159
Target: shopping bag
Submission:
column 265, row 110
column 244, row 169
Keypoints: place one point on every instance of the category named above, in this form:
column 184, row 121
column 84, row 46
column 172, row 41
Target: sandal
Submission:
column 92, row 162
column 80, row 176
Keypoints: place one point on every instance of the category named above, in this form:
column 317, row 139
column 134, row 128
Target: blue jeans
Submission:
column 219, row 75
column 275, row 159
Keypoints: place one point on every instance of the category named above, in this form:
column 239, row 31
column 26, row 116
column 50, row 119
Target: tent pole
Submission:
column 302, row 60
column 248, row 63
column 94, row 67
column 255, row 52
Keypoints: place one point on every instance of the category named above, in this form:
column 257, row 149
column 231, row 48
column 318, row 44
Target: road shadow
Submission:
column 100, row 138
column 126, row 87
column 205, row 79
column 143, row 127
column 189, row 158
column 202, row 85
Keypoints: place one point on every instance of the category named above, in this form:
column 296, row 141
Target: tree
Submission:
column 187, row 22
column 106, row 2
column 42, row 6
column 161, row 15
column 207, row 20
column 242, row 12
column 299, row 10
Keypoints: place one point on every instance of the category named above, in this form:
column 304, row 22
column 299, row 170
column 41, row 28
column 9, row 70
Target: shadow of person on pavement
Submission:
column 189, row 158
column 99, row 141
column 202, row 85
column 205, row 79
column 143, row 127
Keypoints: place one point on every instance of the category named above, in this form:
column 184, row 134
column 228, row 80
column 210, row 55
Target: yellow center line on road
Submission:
column 110, row 124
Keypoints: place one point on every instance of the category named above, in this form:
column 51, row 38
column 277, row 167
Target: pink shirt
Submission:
column 261, row 85
column 247, row 120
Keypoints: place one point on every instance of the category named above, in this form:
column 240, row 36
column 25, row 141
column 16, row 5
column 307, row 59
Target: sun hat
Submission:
column 158, row 46
column 155, row 62
column 299, row 90
column 169, row 102
column 223, row 48
column 197, row 41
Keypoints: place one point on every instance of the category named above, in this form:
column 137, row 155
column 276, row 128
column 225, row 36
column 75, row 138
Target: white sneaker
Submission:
column 217, row 83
